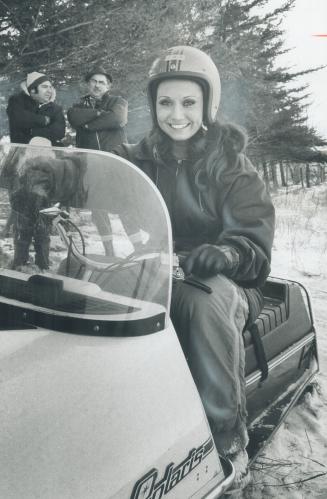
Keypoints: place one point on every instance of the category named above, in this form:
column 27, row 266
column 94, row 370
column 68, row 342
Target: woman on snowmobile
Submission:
column 223, row 224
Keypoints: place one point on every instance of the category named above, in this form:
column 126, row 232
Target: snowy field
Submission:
column 294, row 465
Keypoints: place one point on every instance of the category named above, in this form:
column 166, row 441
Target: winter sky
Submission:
column 308, row 18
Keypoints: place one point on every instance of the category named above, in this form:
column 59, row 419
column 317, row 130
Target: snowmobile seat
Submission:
column 283, row 321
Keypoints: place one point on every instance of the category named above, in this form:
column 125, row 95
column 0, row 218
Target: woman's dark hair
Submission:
column 213, row 149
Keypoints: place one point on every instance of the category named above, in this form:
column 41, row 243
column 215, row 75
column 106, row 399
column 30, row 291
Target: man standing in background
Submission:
column 99, row 118
column 33, row 112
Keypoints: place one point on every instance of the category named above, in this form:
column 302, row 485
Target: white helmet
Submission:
column 187, row 63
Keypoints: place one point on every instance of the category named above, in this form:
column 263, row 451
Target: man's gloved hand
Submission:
column 209, row 260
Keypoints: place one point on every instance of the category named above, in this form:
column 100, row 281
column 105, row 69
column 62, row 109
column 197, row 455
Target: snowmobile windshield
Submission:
column 84, row 235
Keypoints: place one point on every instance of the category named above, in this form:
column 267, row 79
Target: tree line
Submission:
column 64, row 38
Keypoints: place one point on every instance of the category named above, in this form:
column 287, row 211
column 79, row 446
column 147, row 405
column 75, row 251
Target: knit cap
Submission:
column 40, row 141
column 34, row 79
column 42, row 147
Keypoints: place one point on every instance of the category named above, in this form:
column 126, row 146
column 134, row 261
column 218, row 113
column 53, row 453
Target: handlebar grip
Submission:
column 198, row 284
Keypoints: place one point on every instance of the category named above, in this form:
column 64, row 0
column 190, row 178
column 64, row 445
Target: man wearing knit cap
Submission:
column 42, row 180
column 99, row 118
column 33, row 112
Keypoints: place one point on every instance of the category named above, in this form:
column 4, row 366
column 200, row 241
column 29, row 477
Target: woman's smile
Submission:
column 179, row 126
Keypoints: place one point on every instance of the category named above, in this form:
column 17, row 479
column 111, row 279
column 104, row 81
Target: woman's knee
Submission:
column 222, row 293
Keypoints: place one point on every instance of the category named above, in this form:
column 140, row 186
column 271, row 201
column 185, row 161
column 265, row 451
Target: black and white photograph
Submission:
column 163, row 249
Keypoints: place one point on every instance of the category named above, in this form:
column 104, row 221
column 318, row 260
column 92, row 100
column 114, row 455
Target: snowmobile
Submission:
column 97, row 399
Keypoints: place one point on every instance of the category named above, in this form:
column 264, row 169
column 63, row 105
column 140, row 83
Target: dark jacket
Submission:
column 229, row 206
column 100, row 123
column 27, row 120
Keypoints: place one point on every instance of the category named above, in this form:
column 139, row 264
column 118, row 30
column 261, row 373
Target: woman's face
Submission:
column 179, row 108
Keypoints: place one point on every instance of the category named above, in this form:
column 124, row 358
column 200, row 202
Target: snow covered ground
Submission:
column 294, row 464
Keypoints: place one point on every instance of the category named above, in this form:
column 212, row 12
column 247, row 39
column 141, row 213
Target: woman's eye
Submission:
column 164, row 102
column 189, row 102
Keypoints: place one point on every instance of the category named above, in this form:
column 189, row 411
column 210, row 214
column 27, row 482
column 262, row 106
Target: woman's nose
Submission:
column 177, row 111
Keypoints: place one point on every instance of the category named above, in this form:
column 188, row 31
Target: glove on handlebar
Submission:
column 209, row 260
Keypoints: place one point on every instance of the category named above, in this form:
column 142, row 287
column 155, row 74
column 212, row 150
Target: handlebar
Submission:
column 61, row 221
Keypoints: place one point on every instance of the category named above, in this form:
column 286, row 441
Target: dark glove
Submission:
column 209, row 260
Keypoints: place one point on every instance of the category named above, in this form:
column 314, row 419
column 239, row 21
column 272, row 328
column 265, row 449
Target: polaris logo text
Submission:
column 148, row 487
